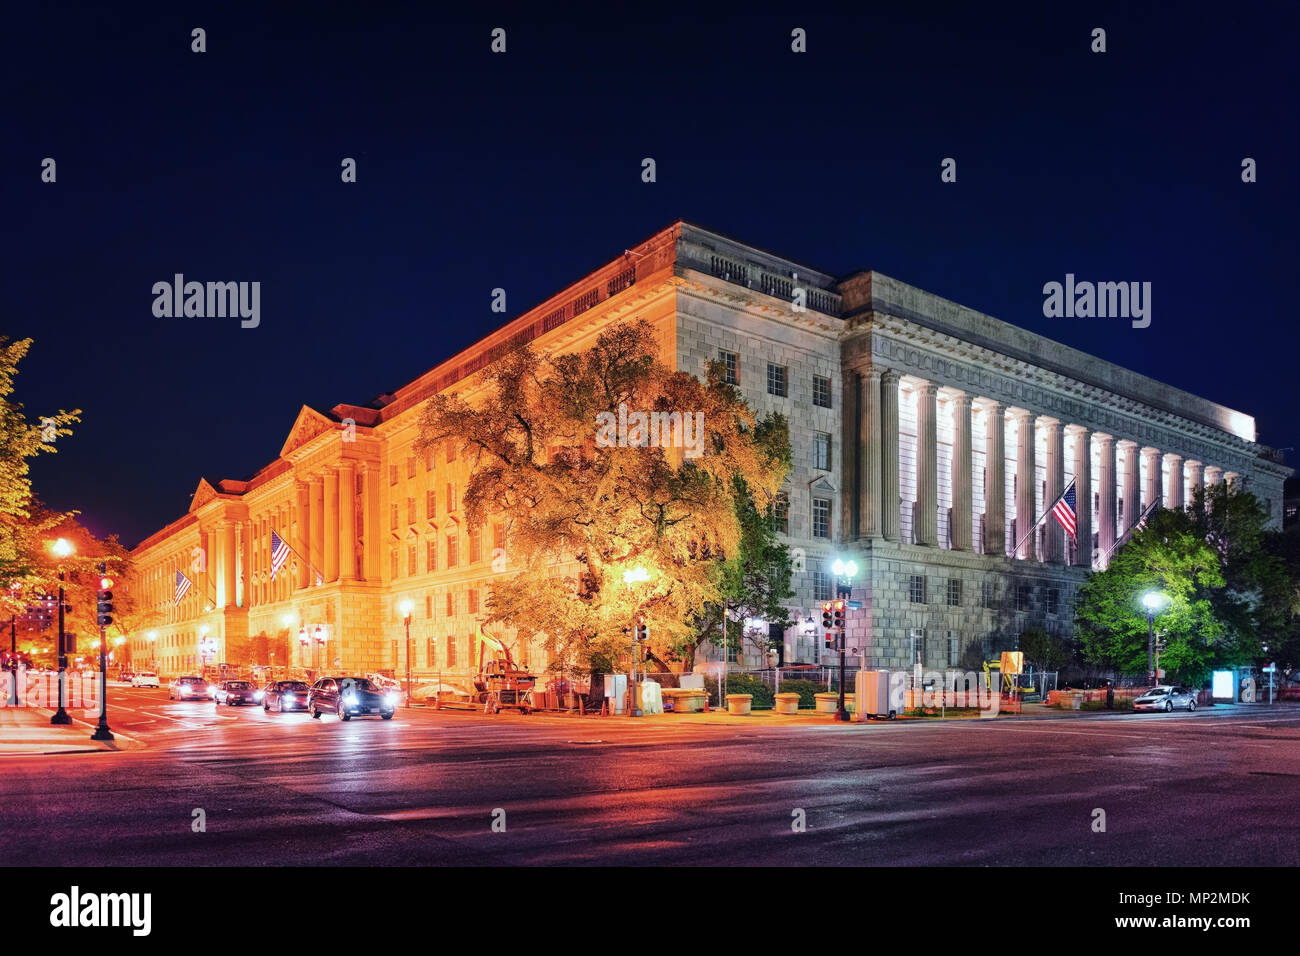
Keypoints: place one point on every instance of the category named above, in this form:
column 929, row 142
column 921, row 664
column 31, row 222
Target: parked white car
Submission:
column 145, row 679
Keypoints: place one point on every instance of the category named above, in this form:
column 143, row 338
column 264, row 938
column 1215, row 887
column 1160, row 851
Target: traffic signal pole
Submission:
column 105, row 618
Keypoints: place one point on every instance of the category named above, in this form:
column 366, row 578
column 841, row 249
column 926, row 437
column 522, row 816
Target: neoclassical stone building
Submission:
column 928, row 438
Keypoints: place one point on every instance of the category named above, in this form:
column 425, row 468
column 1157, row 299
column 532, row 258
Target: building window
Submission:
column 430, row 505
column 410, row 467
column 428, row 465
column 392, row 562
column 431, row 554
column 821, row 451
column 498, row 538
column 916, row 589
column 475, row 545
column 821, row 586
column 453, row 551
column 821, row 391
column 1022, row 597
column 392, row 474
column 410, row 511
column 451, row 497
column 431, row 653
column 451, row 651
column 953, row 649
column 449, row 450
column 776, row 379
column 473, row 600
column 986, row 594
column 954, row 592
column 451, row 604
column 428, row 609
column 361, row 483
column 1053, row 600
column 731, row 366
column 392, row 517
column 821, row 518
column 916, row 646
column 780, row 512
column 412, row 567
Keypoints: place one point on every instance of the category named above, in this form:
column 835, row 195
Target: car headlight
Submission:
column 392, row 699
column 350, row 700
column 259, row 695
column 288, row 699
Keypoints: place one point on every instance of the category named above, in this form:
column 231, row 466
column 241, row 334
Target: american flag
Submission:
column 279, row 553
column 182, row 586
column 1064, row 511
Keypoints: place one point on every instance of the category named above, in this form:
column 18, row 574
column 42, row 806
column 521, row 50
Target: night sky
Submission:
column 522, row 171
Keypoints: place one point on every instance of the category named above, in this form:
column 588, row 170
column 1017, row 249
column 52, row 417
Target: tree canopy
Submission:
column 627, row 489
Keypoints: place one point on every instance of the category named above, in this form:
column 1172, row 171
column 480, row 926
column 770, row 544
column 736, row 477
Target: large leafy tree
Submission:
column 24, row 529
column 1169, row 556
column 600, row 533
column 755, row 581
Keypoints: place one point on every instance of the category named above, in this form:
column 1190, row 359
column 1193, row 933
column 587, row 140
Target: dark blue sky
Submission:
column 523, row 171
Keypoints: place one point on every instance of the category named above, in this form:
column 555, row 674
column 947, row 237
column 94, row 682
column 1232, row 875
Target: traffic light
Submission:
column 839, row 614
column 642, row 630
column 830, row 640
column 826, row 615
column 105, row 607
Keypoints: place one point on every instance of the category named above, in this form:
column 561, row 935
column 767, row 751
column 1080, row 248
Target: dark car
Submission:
column 232, row 692
column 1166, row 697
column 351, row 697
column 189, row 688
column 282, row 695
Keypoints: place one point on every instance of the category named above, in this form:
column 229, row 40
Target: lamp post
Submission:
column 845, row 572
column 105, row 608
column 303, row 642
column 1152, row 600
column 62, row 549
column 406, row 607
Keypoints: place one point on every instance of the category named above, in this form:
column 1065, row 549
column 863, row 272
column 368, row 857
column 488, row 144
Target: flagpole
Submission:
column 294, row 551
column 1048, row 511
column 1155, row 503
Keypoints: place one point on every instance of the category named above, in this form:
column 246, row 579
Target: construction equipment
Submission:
column 501, row 684
column 1012, row 682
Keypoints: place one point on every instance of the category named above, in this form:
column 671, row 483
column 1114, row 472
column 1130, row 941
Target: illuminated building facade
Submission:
column 913, row 420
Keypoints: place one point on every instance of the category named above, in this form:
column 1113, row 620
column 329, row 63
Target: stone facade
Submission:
column 911, row 417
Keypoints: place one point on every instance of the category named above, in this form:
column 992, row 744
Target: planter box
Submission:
column 829, row 702
column 739, row 703
column 685, row 700
column 787, row 703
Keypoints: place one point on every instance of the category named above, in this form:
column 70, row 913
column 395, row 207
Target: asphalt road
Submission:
column 1219, row 786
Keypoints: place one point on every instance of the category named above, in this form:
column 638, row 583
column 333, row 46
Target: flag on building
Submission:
column 279, row 553
column 1064, row 511
column 1146, row 513
column 182, row 587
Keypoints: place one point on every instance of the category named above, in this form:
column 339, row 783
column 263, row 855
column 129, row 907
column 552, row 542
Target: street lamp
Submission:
column 406, row 607
column 845, row 571
column 1152, row 601
column 62, row 549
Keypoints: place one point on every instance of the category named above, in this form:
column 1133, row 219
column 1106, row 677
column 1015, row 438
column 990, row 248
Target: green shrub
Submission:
column 744, row 684
column 805, row 689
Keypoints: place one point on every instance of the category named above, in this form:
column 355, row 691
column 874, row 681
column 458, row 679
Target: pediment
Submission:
column 202, row 495
column 821, row 484
column 309, row 424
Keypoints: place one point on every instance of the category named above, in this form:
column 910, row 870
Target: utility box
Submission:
column 873, row 695
column 616, row 691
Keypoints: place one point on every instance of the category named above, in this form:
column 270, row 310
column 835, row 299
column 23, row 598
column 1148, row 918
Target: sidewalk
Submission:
column 27, row 731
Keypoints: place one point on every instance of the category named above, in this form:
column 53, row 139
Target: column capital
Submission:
column 1021, row 414
column 1048, row 422
column 927, row 387
column 1173, row 458
column 1078, row 431
column 890, row 376
column 1104, row 439
column 961, row 399
column 1126, row 444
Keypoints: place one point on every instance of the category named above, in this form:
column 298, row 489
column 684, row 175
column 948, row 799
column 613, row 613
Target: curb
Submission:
column 77, row 720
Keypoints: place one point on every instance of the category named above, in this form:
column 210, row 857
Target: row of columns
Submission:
column 879, row 485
